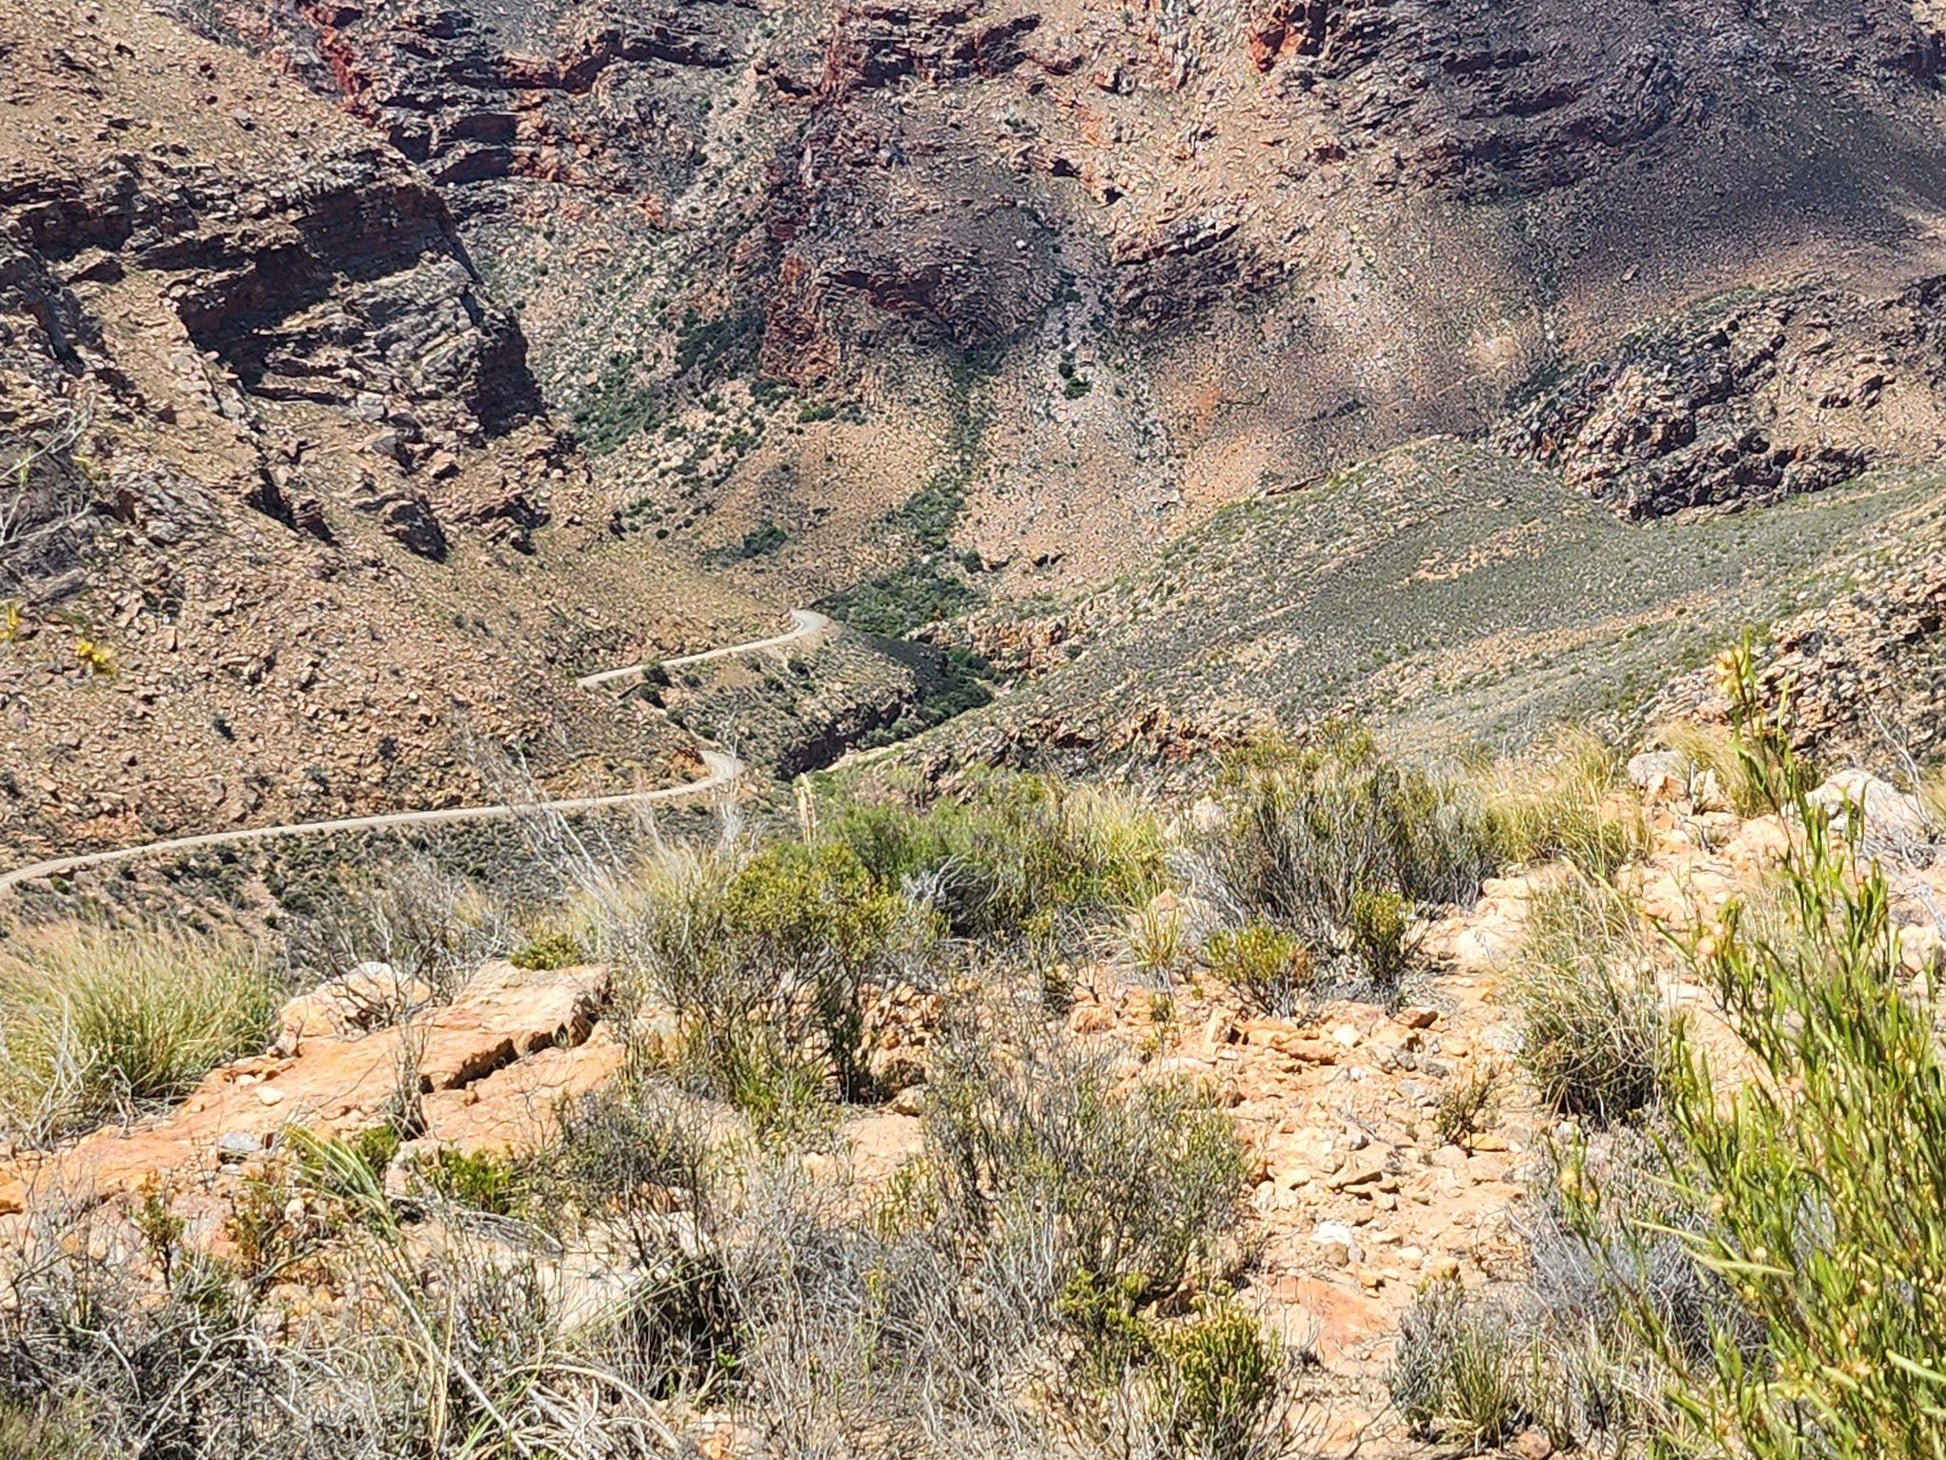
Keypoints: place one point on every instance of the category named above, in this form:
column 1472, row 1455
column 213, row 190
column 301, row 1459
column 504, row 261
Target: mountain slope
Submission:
column 286, row 530
column 1152, row 258
column 1455, row 595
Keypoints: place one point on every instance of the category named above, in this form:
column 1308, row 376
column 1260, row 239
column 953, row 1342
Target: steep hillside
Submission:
column 1072, row 274
column 1462, row 598
column 286, row 529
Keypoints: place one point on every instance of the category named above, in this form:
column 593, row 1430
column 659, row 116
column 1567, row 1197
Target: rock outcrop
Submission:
column 484, row 1070
column 1747, row 400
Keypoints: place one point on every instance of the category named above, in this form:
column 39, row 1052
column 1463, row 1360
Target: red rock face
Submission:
column 1408, row 98
column 1288, row 28
column 1283, row 234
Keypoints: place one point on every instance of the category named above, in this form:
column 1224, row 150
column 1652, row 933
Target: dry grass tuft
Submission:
column 97, row 1023
column 1565, row 800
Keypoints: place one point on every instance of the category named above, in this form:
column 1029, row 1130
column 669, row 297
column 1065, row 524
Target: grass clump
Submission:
column 1340, row 845
column 1461, row 1372
column 1718, row 771
column 1558, row 803
column 1931, row 791
column 1310, row 829
column 97, row 1023
column 1595, row 1032
column 1128, row 1188
column 1154, row 941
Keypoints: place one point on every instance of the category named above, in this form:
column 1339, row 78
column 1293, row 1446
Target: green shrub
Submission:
column 1378, row 925
column 1267, row 965
column 1104, row 1315
column 480, row 1179
column 96, row 1022
column 1010, row 851
column 553, row 948
column 376, row 1148
column 45, row 1433
column 1466, row 1108
column 759, row 541
column 1338, row 844
column 1218, row 1382
column 815, row 919
column 1460, row 1371
column 1821, row 1178
column 770, row 962
column 1307, row 830
column 1595, row 1033
column 909, row 597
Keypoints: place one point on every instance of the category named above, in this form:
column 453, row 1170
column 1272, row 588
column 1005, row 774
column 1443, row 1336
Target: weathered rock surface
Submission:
column 490, row 1064
column 1747, row 401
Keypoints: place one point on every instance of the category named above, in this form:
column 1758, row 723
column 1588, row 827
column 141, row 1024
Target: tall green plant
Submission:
column 1819, row 1181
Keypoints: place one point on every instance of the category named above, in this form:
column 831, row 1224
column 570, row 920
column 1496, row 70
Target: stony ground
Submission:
column 1355, row 1199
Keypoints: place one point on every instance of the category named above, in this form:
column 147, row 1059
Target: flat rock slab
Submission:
column 470, row 1057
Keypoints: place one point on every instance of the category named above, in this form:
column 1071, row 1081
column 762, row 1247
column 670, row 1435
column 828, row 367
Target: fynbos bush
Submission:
column 1595, row 1033
column 1269, row 966
column 1819, row 1181
column 1125, row 1185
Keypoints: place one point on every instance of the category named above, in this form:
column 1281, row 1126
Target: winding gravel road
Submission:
column 722, row 769
column 806, row 623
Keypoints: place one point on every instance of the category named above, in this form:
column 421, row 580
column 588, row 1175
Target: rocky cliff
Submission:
column 1184, row 252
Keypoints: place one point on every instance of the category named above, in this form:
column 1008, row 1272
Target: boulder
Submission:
column 1891, row 817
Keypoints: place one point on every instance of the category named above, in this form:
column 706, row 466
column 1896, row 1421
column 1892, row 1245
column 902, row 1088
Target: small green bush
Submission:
column 1010, row 851
column 1378, row 925
column 1466, row 1108
column 758, row 542
column 376, row 1148
column 1218, row 1382
column 1460, row 1371
column 1339, row 844
column 482, row 1180
column 1595, row 1033
column 1820, row 1179
column 1104, row 1315
column 1153, row 941
column 770, row 962
column 553, row 948
column 1267, row 965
